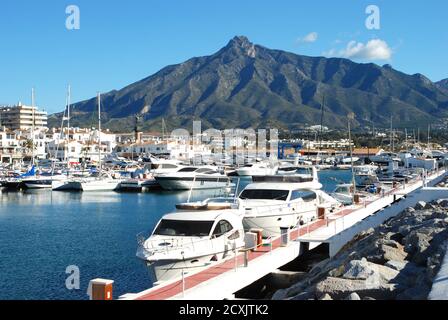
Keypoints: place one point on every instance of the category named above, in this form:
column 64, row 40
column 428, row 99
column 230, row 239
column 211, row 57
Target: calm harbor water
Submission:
column 43, row 232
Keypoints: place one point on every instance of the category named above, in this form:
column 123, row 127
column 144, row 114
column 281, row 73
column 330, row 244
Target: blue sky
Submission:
column 120, row 42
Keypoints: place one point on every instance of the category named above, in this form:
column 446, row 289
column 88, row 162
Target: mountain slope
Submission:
column 247, row 85
column 443, row 84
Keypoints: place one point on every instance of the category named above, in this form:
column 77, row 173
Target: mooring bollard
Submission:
column 284, row 231
column 100, row 289
column 246, row 258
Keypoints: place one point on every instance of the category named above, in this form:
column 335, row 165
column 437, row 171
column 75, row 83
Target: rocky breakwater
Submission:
column 398, row 260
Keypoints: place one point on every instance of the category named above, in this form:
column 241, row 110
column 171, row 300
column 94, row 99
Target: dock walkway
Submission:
column 223, row 280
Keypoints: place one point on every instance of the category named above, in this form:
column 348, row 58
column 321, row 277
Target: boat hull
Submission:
column 66, row 186
column 13, row 185
column 100, row 185
column 271, row 224
column 39, row 184
column 167, row 270
column 190, row 183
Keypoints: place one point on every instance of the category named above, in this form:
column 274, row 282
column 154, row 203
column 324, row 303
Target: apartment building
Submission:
column 20, row 117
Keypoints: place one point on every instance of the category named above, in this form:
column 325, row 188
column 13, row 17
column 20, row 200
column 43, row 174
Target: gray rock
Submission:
column 337, row 272
column 396, row 265
column 410, row 210
column 326, row 297
column 420, row 205
column 304, row 296
column 339, row 288
column 353, row 296
column 429, row 206
column 395, row 252
column 358, row 270
column 443, row 203
column 404, row 230
column 281, row 294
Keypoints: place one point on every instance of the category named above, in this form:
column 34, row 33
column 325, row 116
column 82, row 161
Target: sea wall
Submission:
column 396, row 260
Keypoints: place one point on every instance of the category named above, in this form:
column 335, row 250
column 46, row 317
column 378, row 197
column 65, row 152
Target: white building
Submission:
column 21, row 117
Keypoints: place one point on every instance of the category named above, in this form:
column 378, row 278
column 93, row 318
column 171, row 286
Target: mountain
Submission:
column 443, row 84
column 246, row 85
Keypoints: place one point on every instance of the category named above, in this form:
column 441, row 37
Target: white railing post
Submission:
column 235, row 254
column 183, row 283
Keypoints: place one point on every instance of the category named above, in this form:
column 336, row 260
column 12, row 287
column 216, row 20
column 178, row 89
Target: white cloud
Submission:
column 375, row 49
column 309, row 38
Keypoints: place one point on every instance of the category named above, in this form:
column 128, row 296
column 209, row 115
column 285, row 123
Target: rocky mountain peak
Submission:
column 243, row 44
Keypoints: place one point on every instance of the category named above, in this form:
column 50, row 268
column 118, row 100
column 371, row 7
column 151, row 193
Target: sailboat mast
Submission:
column 321, row 129
column 32, row 125
column 68, row 107
column 350, row 116
column 99, row 130
column 391, row 134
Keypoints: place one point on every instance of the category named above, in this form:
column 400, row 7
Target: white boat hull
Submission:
column 100, row 185
column 177, row 184
column 271, row 224
column 166, row 270
column 245, row 172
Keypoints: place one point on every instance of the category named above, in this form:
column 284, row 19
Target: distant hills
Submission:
column 246, row 85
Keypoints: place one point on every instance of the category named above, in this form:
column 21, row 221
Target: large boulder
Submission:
column 420, row 205
column 353, row 296
column 396, row 265
column 358, row 270
column 443, row 203
column 326, row 297
column 340, row 288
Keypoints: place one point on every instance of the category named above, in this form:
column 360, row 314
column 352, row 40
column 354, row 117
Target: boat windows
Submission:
column 188, row 169
column 168, row 166
column 205, row 170
column 264, row 194
column 182, row 228
column 221, row 228
column 303, row 194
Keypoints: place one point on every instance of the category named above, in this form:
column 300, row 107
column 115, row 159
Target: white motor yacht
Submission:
column 261, row 168
column 190, row 241
column 274, row 202
column 102, row 182
column 187, row 178
column 365, row 175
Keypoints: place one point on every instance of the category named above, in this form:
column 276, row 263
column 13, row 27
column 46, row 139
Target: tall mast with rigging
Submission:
column 99, row 131
column 32, row 124
column 351, row 116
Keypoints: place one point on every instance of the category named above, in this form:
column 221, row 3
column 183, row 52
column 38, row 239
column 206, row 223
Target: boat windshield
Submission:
column 264, row 194
column 182, row 228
